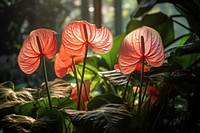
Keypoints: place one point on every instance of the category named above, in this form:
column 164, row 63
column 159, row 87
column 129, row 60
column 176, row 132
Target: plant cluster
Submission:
column 130, row 83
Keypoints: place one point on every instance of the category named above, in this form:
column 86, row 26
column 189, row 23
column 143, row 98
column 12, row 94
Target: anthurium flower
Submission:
column 78, row 34
column 150, row 91
column 153, row 93
column 138, row 68
column 85, row 94
column 29, row 55
column 63, row 63
column 130, row 53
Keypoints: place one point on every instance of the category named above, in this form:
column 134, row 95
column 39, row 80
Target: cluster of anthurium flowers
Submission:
column 141, row 44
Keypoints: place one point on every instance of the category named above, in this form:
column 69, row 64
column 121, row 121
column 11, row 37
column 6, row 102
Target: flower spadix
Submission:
column 131, row 51
column 40, row 42
column 78, row 34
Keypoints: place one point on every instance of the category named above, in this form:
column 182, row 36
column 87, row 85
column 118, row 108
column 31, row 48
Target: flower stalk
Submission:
column 141, row 76
column 127, row 84
column 83, row 70
column 76, row 78
column 44, row 72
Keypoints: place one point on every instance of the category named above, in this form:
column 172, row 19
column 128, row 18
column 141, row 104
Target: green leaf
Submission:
column 91, row 69
column 164, row 26
column 104, row 99
column 111, row 57
column 185, row 55
column 58, row 102
column 111, row 118
column 50, row 121
column 25, row 109
column 143, row 7
column 183, row 40
column 184, row 61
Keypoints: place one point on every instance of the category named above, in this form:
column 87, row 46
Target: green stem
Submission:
column 82, row 78
column 84, row 63
column 84, row 86
column 46, row 82
column 44, row 72
column 141, row 77
column 144, row 94
column 161, row 109
column 124, row 95
column 76, row 78
column 86, row 92
column 134, row 97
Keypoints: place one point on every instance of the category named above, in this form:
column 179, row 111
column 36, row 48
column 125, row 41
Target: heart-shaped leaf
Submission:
column 111, row 118
column 49, row 121
column 102, row 100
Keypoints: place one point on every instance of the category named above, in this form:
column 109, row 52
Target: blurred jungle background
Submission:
column 19, row 17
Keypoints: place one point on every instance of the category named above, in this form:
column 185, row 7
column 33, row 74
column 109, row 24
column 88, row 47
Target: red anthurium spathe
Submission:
column 153, row 93
column 78, row 34
column 63, row 63
column 139, row 67
column 85, row 95
column 130, row 53
column 29, row 55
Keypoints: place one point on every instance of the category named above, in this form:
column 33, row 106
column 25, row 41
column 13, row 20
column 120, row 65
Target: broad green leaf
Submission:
column 30, row 108
column 183, row 40
column 92, row 67
column 185, row 55
column 111, row 57
column 104, row 99
column 50, row 121
column 143, row 7
column 25, row 109
column 111, row 118
column 184, row 61
column 133, row 24
column 58, row 102
column 164, row 26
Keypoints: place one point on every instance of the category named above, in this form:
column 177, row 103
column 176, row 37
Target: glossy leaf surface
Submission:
column 111, row 118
